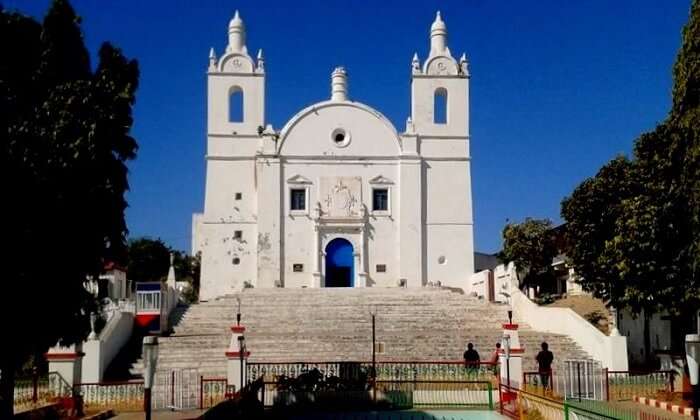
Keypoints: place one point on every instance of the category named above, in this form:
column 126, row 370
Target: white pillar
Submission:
column 67, row 362
column 511, row 365
column 236, row 358
column 316, row 275
column 362, row 274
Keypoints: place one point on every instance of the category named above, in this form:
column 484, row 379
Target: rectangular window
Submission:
column 381, row 268
column 298, row 199
column 239, row 196
column 237, row 234
column 380, row 199
column 298, row 268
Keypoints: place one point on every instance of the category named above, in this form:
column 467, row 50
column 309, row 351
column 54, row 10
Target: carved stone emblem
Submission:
column 341, row 196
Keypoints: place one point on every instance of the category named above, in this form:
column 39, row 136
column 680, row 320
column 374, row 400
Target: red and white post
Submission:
column 237, row 358
column 511, row 357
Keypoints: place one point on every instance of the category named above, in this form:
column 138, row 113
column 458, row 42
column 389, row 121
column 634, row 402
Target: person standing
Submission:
column 544, row 361
column 494, row 358
column 471, row 358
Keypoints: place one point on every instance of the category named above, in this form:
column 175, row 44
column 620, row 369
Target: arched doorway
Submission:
column 339, row 263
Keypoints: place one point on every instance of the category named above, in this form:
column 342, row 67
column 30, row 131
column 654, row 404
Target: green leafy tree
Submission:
column 592, row 213
column 635, row 226
column 66, row 145
column 148, row 260
column 531, row 246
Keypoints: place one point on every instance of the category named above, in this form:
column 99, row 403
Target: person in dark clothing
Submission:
column 471, row 358
column 544, row 361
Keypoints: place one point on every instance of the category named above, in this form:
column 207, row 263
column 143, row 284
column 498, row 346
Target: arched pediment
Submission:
column 236, row 63
column 442, row 65
column 339, row 128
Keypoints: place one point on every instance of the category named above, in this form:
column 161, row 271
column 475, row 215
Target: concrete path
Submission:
column 161, row 415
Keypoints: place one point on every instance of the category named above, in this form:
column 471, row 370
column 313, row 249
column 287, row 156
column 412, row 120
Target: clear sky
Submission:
column 557, row 88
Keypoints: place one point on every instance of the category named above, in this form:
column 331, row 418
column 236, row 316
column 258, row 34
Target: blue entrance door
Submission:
column 339, row 263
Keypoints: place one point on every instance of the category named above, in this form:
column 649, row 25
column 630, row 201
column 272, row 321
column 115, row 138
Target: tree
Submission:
column 148, row 260
column 531, row 246
column 66, row 146
column 635, row 226
column 592, row 213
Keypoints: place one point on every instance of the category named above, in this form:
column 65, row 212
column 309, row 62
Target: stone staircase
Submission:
column 291, row 325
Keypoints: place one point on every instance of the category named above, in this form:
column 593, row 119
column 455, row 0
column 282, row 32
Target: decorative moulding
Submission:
column 298, row 179
column 381, row 179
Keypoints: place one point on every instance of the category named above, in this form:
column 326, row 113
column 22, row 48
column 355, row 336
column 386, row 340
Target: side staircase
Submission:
column 296, row 325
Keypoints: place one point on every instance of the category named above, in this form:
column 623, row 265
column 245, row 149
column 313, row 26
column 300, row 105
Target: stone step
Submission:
column 335, row 325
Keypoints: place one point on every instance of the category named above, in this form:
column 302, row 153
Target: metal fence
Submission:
column 385, row 394
column 522, row 404
column 625, row 385
column 384, row 371
column 213, row 391
column 121, row 396
column 586, row 381
column 39, row 389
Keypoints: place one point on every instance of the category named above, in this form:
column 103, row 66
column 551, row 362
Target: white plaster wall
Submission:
column 449, row 227
column 478, row 284
column 422, row 106
column 225, row 178
column 218, row 89
column 633, row 327
column 100, row 353
column 219, row 276
column 299, row 233
column 611, row 351
column 454, row 243
column 309, row 132
column 448, row 193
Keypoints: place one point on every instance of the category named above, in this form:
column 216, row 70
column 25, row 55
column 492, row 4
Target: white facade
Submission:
column 398, row 205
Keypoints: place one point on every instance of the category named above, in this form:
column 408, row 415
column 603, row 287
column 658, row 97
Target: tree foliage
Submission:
column 66, row 141
column 531, row 246
column 149, row 260
column 635, row 226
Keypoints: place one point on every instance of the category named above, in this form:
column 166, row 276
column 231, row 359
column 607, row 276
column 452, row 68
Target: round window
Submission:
column 340, row 137
column 442, row 259
column 236, row 261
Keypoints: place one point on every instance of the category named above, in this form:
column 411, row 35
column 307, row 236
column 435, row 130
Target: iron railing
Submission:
column 39, row 389
column 625, row 385
column 212, row 391
column 387, row 394
column 120, row 396
column 386, row 371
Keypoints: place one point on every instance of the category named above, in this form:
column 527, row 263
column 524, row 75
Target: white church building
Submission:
column 338, row 197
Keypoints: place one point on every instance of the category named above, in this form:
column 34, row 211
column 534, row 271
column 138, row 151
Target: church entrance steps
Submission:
column 334, row 325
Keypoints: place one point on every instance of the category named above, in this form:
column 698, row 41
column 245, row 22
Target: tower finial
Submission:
column 212, row 59
column 236, row 34
column 339, row 85
column 438, row 35
column 261, row 61
column 415, row 64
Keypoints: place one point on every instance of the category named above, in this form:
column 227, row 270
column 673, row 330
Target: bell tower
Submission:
column 236, row 86
column 440, row 126
column 440, row 89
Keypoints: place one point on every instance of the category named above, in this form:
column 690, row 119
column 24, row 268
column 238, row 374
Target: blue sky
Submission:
column 557, row 89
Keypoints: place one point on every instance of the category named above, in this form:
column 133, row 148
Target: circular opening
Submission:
column 340, row 137
column 442, row 259
column 236, row 261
